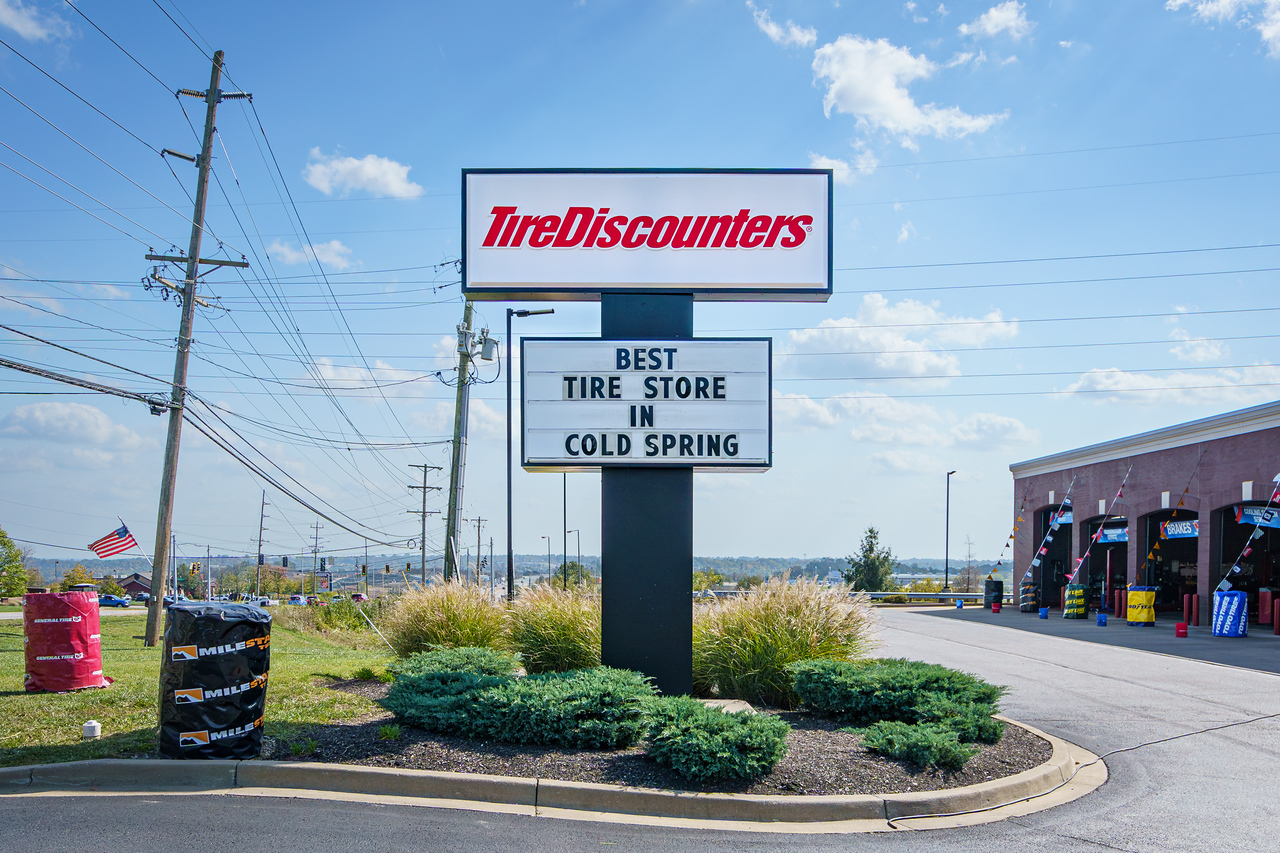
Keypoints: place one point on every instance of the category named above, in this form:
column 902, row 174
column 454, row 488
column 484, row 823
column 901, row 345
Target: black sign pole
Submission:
column 646, row 521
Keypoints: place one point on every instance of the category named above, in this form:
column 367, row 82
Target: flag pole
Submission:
column 136, row 545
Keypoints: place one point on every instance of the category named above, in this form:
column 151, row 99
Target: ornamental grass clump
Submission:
column 556, row 630
column 742, row 646
column 444, row 615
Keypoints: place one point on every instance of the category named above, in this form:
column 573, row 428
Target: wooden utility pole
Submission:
column 425, row 488
column 168, row 480
column 262, row 516
column 459, row 444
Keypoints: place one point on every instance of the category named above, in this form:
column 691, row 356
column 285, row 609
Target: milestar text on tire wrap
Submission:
column 213, row 680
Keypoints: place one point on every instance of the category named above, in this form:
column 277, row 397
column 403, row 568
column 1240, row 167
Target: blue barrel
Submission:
column 1230, row 614
column 1044, row 613
column 1102, row 619
column 959, row 604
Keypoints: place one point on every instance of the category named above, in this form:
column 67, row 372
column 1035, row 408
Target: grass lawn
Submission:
column 10, row 608
column 39, row 728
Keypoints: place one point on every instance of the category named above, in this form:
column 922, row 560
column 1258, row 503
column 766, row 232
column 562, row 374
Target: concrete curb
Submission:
column 587, row 800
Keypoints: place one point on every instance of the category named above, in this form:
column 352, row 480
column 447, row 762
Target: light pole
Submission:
column 564, row 525
column 578, row 533
column 511, row 563
column 548, row 538
column 946, row 545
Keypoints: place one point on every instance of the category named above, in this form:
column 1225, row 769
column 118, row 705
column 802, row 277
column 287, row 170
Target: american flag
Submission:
column 115, row 542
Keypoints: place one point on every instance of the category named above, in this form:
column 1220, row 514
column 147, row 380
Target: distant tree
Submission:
column 110, row 587
column 704, row 580
column 578, row 574
column 77, row 575
column 13, row 577
column 871, row 569
column 748, row 581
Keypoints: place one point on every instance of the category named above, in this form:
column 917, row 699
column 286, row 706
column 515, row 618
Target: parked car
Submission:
column 111, row 601
column 339, row 597
column 142, row 598
column 359, row 596
column 316, row 602
column 298, row 600
column 266, row 602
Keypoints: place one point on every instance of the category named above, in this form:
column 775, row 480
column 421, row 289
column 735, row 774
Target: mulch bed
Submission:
column 820, row 758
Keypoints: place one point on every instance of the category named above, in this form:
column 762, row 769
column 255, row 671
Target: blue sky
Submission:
column 1018, row 188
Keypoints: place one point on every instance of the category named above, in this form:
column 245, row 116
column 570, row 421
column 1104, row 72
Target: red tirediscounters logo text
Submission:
column 589, row 228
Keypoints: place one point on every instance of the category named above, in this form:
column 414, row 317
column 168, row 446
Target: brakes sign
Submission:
column 572, row 234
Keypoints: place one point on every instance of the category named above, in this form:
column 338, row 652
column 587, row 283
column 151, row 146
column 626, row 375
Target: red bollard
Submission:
column 1195, row 609
column 1122, row 603
column 1265, row 600
column 1275, row 619
column 1186, row 608
column 1062, row 598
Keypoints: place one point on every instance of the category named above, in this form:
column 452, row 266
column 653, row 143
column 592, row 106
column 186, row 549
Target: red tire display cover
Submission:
column 63, row 642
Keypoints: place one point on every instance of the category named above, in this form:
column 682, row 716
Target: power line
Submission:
column 77, row 97
column 78, row 207
column 1063, row 189
column 1064, row 258
column 81, row 13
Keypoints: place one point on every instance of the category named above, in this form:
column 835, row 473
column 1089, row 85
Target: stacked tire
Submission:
column 1028, row 597
column 213, row 681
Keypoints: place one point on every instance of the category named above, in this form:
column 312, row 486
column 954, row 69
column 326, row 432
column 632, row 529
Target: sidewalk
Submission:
column 1260, row 650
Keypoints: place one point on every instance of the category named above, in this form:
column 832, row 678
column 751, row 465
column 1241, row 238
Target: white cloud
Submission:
column 1196, row 350
column 31, row 24
column 1012, row 59
column 988, row 430
column 906, row 232
column 371, row 173
column 869, row 80
column 342, row 376
column 897, row 339
column 1241, row 13
column 790, row 34
column 1008, row 17
column 1238, row 387
column 333, row 253
column 906, row 462
column 483, row 420
column 915, row 19
column 68, row 423
column 844, row 172
column 942, row 10
column 1065, row 43
column 801, row 412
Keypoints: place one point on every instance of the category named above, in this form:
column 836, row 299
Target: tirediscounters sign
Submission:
column 700, row 403
column 718, row 234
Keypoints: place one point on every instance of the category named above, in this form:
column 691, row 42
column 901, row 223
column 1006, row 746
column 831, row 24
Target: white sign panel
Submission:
column 700, row 403
column 719, row 234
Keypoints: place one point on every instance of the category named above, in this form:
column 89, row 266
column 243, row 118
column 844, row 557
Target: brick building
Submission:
column 1195, row 493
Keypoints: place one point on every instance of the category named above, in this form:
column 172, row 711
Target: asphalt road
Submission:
column 1209, row 791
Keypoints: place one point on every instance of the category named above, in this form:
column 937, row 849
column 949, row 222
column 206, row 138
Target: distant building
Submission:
column 133, row 584
column 1195, row 494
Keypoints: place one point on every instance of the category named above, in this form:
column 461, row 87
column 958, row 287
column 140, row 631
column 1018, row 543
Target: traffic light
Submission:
column 364, row 570
column 284, row 562
column 262, row 560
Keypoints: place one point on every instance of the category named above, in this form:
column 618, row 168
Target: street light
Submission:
column 566, row 557
column 548, row 538
column 511, row 561
column 946, row 545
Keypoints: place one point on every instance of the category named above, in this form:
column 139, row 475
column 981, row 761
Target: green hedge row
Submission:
column 471, row 693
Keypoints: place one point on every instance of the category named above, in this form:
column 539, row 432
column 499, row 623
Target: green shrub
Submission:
column 923, row 744
column 340, row 615
column 971, row 721
column 705, row 744
column 742, row 646
column 599, row 708
column 555, row 630
column 444, row 615
column 475, row 659
column 438, row 701
column 860, row 694
column 389, row 732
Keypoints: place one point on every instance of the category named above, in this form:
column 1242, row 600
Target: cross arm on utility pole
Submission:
column 183, row 259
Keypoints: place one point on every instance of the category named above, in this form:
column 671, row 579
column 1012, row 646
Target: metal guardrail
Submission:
column 934, row 596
